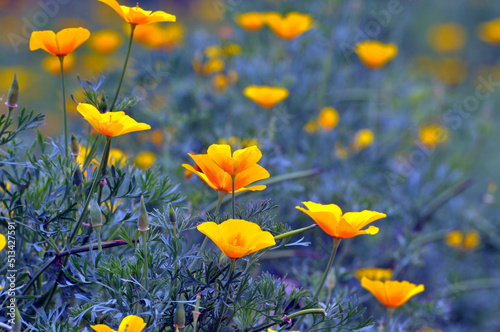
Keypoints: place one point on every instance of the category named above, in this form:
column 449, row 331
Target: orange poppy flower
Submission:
column 105, row 41
column 251, row 21
column 338, row 225
column 137, row 15
column 218, row 166
column 391, row 293
column 236, row 237
column 110, row 124
column 265, row 96
column 374, row 54
column 129, row 324
column 290, row 26
column 60, row 44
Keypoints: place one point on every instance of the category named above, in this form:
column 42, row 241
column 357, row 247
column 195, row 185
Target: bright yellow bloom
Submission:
column 290, row 26
column 218, row 165
column 363, row 139
column 374, row 54
column 432, row 135
column 105, row 41
column 145, row 159
column 328, row 118
column 341, row 225
column 265, row 96
column 129, row 324
column 110, row 124
column 373, row 273
column 463, row 241
column 447, row 37
column 390, row 293
column 269, row 330
column 137, row 15
column 60, row 44
column 213, row 65
column 251, row 21
column 3, row 242
column 489, row 32
column 236, row 237
column 53, row 65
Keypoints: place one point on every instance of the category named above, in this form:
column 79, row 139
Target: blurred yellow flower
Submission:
column 251, row 21
column 341, row 225
column 432, row 135
column 129, row 324
column 236, row 237
column 220, row 82
column 3, row 241
column 213, row 65
column 446, row 37
column 213, row 51
column 328, row 118
column 232, row 49
column 311, row 127
column 60, row 44
column 105, row 41
column 373, row 273
column 363, row 139
column 449, row 71
column 341, row 151
column 463, row 241
column 489, row 32
column 428, row 329
column 390, row 293
column 218, row 166
column 116, row 157
column 374, row 54
column 265, row 96
column 290, row 26
column 137, row 15
column 232, row 76
column 156, row 36
column 145, row 159
column 110, row 124
column 53, row 65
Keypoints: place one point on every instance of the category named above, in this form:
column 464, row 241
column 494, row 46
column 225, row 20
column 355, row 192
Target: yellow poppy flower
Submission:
column 363, row 139
column 116, row 158
column 447, row 37
column 220, row 82
column 463, row 241
column 213, row 65
column 374, row 54
column 218, row 165
column 145, row 160
column 236, row 237
column 129, row 324
column 391, row 293
column 105, row 41
column 265, row 96
column 60, row 44
column 110, row 124
column 3, row 242
column 341, row 225
column 137, row 15
column 373, row 273
column 433, row 135
column 290, row 26
column 53, row 65
column 328, row 118
column 489, row 32
column 251, row 21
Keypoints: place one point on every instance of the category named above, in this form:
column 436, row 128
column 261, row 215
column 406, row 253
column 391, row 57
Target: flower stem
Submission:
column 294, row 232
column 132, row 28
column 233, row 177
column 390, row 312
column 224, row 306
column 98, row 232
column 145, row 251
column 66, row 142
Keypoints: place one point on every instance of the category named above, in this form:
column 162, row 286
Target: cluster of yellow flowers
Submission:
column 288, row 27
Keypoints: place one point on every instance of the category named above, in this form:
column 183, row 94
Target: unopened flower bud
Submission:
column 143, row 221
column 331, row 280
column 95, row 213
column 75, row 147
column 171, row 215
column 13, row 95
column 77, row 177
column 180, row 315
column 103, row 182
column 196, row 312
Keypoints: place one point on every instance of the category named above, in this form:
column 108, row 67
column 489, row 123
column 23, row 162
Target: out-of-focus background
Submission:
column 417, row 139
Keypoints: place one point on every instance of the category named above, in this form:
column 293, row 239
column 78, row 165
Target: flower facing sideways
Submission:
column 137, row 15
column 391, row 293
column 129, row 324
column 61, row 43
column 110, row 124
column 265, row 96
column 374, row 54
column 219, row 165
column 236, row 237
column 341, row 225
column 290, row 26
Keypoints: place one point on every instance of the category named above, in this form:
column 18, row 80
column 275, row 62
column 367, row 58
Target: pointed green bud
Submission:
column 75, row 147
column 143, row 221
column 171, row 215
column 13, row 95
column 180, row 315
column 95, row 213
column 196, row 312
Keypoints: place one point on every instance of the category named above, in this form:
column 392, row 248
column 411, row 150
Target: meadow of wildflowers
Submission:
column 230, row 165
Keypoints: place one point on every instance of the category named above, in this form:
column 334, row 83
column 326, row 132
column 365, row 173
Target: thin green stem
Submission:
column 6, row 123
column 98, row 232
column 294, row 232
column 233, row 177
column 132, row 29
column 390, row 312
column 66, row 140
column 226, row 294
column 145, row 252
